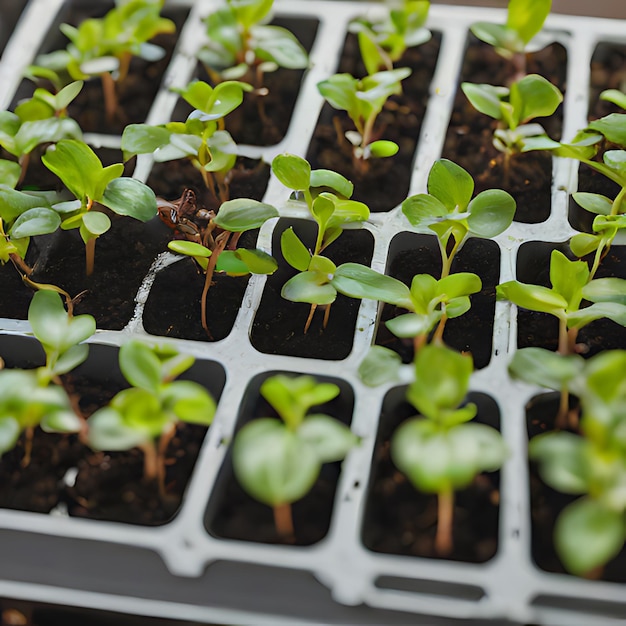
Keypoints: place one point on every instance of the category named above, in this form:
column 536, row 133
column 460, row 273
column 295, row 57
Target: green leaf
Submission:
column 243, row 214
column 588, row 535
column 140, row 365
column 380, row 365
column 383, row 148
column 277, row 44
column 562, row 461
column 10, row 172
column 451, row 185
column 292, row 171
column 543, row 367
column 615, row 96
column 52, row 325
column 306, row 287
column 358, row 281
column 77, row 165
column 583, row 244
column 534, row 96
column 294, row 251
column 38, row 221
column 96, row 223
column 272, row 463
column 608, row 289
column 143, row 139
column 612, row 310
column 533, row 297
column 340, row 91
column 257, row 261
column 189, row 248
column 441, row 380
column 327, row 178
column 526, row 17
column 491, row 213
column 329, row 438
column 485, row 98
column 13, row 203
column 189, row 401
column 9, row 433
column 496, row 35
column 422, row 209
column 61, row 422
column 72, row 358
column 108, row 431
column 411, row 325
column 612, row 127
column 593, row 202
column 568, row 277
column 127, row 196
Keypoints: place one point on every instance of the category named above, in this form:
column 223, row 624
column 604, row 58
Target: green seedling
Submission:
column 147, row 414
column 450, row 211
column 383, row 42
column 363, row 100
column 332, row 211
column 590, row 531
column 585, row 147
column 430, row 302
column 516, row 37
column 40, row 120
column 222, row 231
column 201, row 139
column 82, row 173
column 571, row 287
column 528, row 98
column 440, row 451
column 240, row 43
column 32, row 398
column 277, row 461
column 105, row 46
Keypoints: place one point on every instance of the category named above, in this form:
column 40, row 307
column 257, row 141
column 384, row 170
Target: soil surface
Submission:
column 385, row 182
column 278, row 326
column 469, row 138
column 400, row 520
column 233, row 514
column 547, row 504
column 412, row 254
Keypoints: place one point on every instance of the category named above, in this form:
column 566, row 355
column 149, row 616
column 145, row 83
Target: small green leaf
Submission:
column 127, row 196
column 588, row 535
column 608, row 289
column 294, row 251
column 306, row 287
column 330, row 439
column 533, row 297
column 10, row 171
column 422, row 209
column 96, row 223
column 243, row 214
column 593, row 202
column 451, row 185
column 189, row 248
column 140, row 365
column 526, row 17
column 257, row 261
column 61, row 422
column 491, row 213
column 333, row 180
column 545, row 368
column 9, row 433
column 485, row 98
column 272, row 463
column 383, row 148
column 612, row 127
column 38, row 221
column 292, row 171
column 380, row 365
column 190, row 402
column 108, row 431
column 358, row 281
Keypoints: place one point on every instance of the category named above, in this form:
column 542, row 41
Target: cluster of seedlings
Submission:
column 278, row 459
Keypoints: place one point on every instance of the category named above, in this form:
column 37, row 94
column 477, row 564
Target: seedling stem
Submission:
column 445, row 515
column 283, row 521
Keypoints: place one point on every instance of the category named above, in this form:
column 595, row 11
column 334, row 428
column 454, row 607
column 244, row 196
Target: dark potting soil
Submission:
column 411, row 254
column 400, row 520
column 469, row 137
column 264, row 120
column 135, row 93
column 541, row 329
column 385, row 182
column 278, row 326
column 233, row 514
column 547, row 503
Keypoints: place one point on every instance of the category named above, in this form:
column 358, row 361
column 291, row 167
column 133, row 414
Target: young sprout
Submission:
column 331, row 212
column 81, row 171
column 450, row 211
column 201, row 139
column 208, row 245
column 441, row 451
column 514, row 39
column 383, row 42
column 240, row 43
column 530, row 97
column 363, row 100
column 31, row 398
column 590, row 531
column 430, row 302
column 571, row 285
column 105, row 46
column 147, row 414
column 41, row 119
column 277, row 461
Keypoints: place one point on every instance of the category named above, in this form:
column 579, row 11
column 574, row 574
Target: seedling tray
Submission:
column 180, row 570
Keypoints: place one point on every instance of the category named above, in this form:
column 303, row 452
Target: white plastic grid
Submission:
column 510, row 580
